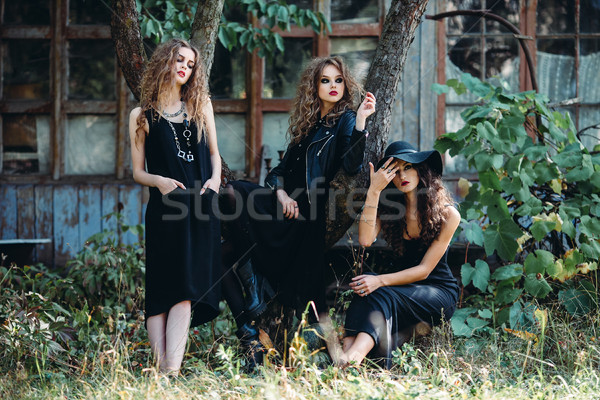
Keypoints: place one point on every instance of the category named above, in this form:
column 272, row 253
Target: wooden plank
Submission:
column 88, row 32
column 230, row 106
column 66, row 220
column 427, row 97
column 25, row 32
column 277, row 105
column 110, row 200
column 90, row 107
column 410, row 94
column 25, row 107
column 26, row 215
column 44, row 223
column 8, row 215
column 122, row 124
column 90, row 210
column 131, row 198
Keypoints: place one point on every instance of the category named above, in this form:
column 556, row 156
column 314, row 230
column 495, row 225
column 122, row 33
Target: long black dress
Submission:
column 391, row 309
column 183, row 250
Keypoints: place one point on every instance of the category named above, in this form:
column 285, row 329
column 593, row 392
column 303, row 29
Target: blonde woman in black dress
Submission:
column 174, row 152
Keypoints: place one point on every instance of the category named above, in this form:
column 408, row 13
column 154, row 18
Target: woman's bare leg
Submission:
column 363, row 344
column 157, row 329
column 178, row 324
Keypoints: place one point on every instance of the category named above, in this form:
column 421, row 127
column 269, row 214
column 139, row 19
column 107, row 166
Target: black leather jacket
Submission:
column 332, row 147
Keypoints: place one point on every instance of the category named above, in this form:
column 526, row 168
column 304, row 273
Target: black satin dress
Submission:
column 391, row 309
column 183, row 247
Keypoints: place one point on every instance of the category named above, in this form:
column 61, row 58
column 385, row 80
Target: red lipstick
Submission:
column 404, row 183
column 181, row 74
column 333, row 93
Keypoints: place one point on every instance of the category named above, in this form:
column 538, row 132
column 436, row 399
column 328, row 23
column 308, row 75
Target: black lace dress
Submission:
column 183, row 248
column 391, row 309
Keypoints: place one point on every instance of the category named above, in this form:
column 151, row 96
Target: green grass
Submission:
column 493, row 366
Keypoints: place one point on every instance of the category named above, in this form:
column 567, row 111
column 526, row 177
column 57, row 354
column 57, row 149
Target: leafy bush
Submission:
column 110, row 272
column 536, row 205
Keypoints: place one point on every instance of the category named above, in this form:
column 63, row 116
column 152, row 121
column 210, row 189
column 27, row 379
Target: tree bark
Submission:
column 129, row 46
column 401, row 22
column 205, row 29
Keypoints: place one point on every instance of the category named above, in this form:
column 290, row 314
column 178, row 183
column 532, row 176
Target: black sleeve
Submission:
column 351, row 144
column 274, row 179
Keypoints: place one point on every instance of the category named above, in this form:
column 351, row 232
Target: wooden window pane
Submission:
column 502, row 61
column 90, row 145
column 275, row 139
column 91, row 70
column 231, row 138
column 589, row 71
column 26, row 144
column 354, row 11
column 555, row 16
column 453, row 123
column 589, row 117
column 283, row 73
column 357, row 52
column 465, row 54
column 27, row 69
column 556, row 68
column 30, row 12
column 507, row 9
column 89, row 12
column 228, row 75
column 463, row 24
column 589, row 16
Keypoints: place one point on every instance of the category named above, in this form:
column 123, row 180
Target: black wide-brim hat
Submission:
column 406, row 152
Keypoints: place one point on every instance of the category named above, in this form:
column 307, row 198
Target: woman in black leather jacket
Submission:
column 280, row 233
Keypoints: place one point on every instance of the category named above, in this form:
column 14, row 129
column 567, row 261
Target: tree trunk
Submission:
column 386, row 69
column 205, row 29
column 129, row 46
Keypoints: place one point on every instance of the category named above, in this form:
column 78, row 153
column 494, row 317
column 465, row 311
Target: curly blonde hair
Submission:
column 432, row 199
column 305, row 111
column 159, row 77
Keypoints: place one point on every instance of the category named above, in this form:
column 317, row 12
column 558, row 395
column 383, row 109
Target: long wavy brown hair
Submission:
column 305, row 111
column 432, row 199
column 159, row 77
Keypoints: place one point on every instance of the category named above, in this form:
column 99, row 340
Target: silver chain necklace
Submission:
column 189, row 157
column 166, row 114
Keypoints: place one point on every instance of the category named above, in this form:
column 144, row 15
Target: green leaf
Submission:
column 540, row 229
column 538, row 262
column 591, row 249
column 489, row 179
column 536, row 153
column 508, row 272
column 439, row 88
column 459, row 322
column 480, row 275
column 590, row 226
column 570, row 157
column 502, row 238
column 475, row 86
column 279, row 42
column 506, row 293
column 283, row 14
column 486, row 314
column 473, row 233
column 582, row 172
column 545, row 172
column 497, row 208
column 485, row 161
column 576, row 302
column 477, row 323
column 556, row 133
column 537, row 286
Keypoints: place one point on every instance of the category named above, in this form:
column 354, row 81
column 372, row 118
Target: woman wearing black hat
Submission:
column 408, row 202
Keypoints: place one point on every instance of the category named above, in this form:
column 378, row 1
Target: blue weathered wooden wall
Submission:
column 68, row 214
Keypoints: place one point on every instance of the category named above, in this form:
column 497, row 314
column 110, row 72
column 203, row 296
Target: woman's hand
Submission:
column 167, row 185
column 290, row 206
column 383, row 176
column 366, row 108
column 212, row 184
column 365, row 284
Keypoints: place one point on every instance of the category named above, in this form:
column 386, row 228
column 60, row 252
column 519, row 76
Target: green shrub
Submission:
column 536, row 206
